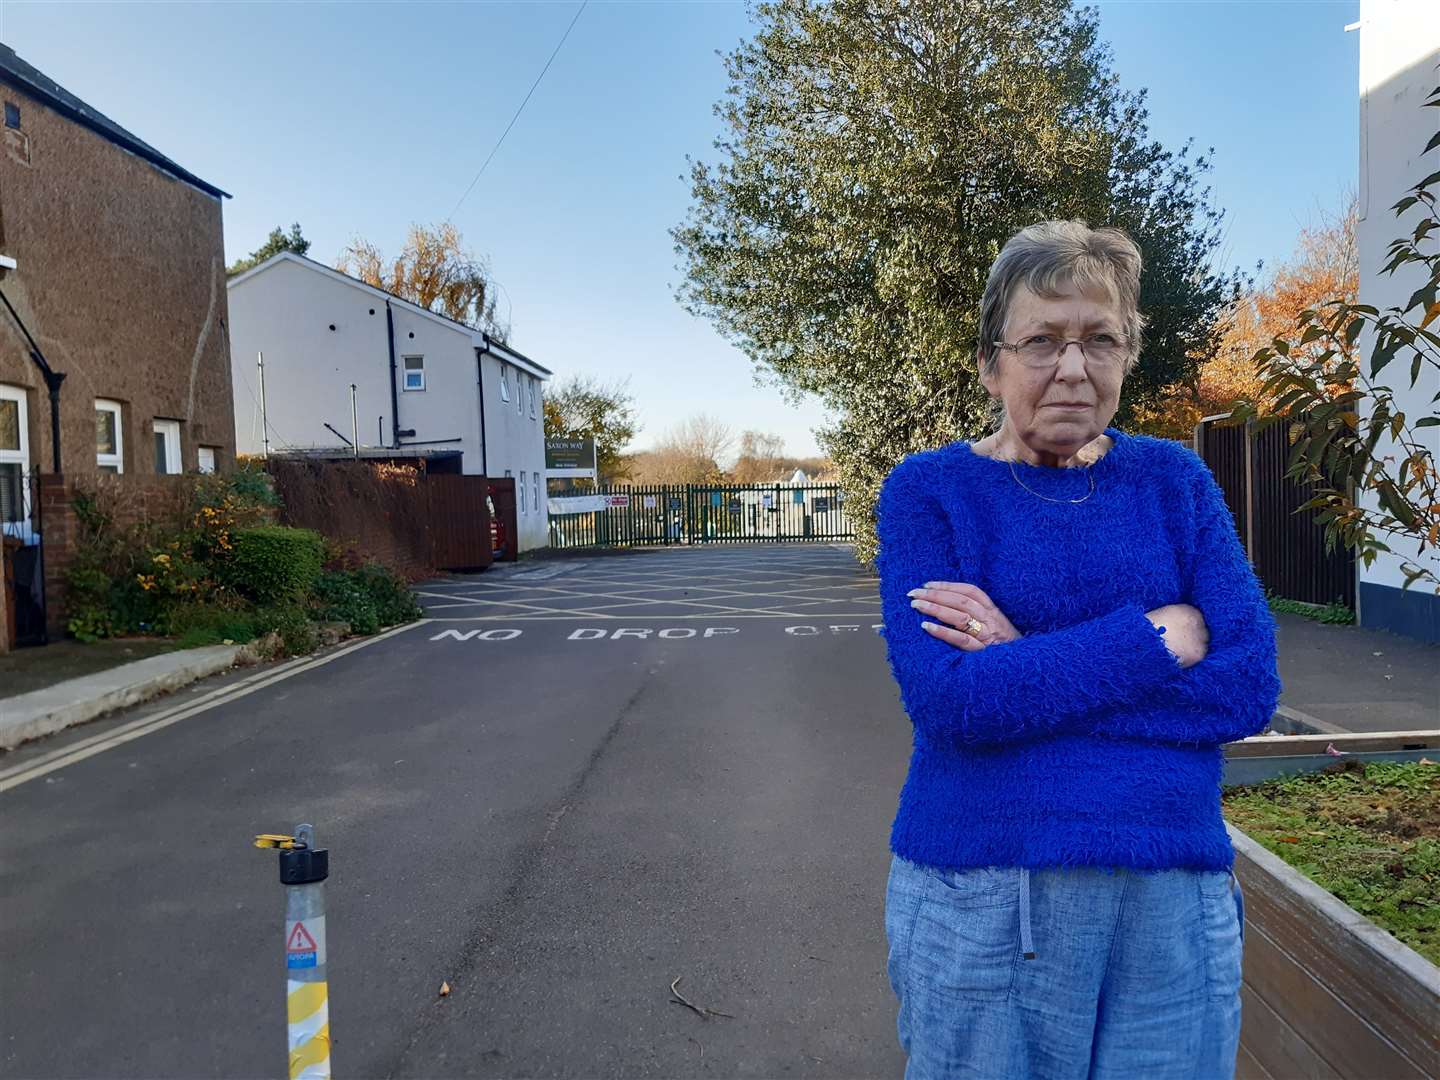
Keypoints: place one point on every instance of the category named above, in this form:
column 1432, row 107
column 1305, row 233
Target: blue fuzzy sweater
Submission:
column 1083, row 742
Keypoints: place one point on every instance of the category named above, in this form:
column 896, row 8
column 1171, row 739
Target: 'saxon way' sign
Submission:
column 570, row 453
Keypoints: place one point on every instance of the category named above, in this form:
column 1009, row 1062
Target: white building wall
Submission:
column 286, row 311
column 1399, row 54
column 516, row 437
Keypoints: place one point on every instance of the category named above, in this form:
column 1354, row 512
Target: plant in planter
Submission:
column 1327, row 991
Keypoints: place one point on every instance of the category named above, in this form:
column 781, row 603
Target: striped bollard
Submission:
column 303, row 870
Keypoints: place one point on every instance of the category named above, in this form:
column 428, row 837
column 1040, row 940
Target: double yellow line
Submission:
column 40, row 766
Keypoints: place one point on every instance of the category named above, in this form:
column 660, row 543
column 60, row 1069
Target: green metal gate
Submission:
column 650, row 515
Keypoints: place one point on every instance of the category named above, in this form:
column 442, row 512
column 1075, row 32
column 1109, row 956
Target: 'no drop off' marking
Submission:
column 669, row 633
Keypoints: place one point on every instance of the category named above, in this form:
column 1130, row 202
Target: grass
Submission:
column 1337, row 613
column 1368, row 832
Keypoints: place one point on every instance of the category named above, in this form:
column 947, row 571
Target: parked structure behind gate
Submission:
column 651, row 515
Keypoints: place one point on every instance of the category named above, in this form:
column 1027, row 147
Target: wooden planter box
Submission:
column 1326, row 992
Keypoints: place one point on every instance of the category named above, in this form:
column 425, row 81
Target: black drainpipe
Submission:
column 394, row 393
column 480, row 379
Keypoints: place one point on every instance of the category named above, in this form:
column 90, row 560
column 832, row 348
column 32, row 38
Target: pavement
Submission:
column 571, row 785
column 75, row 701
column 1347, row 678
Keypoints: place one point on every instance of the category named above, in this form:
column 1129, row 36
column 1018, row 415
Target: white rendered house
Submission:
column 423, row 383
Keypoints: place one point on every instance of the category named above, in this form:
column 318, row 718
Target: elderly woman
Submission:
column 1076, row 631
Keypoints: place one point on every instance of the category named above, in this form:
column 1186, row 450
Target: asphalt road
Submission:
column 570, row 787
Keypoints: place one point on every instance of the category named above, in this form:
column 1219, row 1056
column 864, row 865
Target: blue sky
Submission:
column 356, row 119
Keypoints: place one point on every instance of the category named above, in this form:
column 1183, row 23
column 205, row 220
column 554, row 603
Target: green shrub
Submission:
column 340, row 598
column 292, row 623
column 393, row 600
column 211, row 624
column 367, row 598
column 274, row 564
column 1336, row 613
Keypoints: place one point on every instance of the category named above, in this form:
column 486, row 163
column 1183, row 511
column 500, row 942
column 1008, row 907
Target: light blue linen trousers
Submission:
column 1077, row 973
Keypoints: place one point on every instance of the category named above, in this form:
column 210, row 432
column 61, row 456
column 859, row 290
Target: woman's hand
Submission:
column 1186, row 635
column 956, row 603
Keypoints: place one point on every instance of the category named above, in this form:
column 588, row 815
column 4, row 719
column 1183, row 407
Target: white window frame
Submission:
column 519, row 394
column 406, row 372
column 117, row 459
column 170, row 430
column 534, row 383
column 536, row 489
column 521, row 492
column 9, row 392
column 504, row 386
column 201, row 453
column 21, row 457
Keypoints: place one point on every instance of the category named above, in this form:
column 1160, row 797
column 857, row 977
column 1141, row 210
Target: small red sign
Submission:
column 300, row 940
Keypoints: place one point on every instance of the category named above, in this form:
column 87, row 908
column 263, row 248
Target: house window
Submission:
column 206, row 457
column 12, row 115
column 109, row 444
column 533, row 384
column 521, row 499
column 14, row 455
column 537, row 491
column 519, row 394
column 504, row 384
column 414, row 373
column 167, row 447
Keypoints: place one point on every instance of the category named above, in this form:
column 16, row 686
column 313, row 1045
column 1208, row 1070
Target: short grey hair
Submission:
column 1049, row 257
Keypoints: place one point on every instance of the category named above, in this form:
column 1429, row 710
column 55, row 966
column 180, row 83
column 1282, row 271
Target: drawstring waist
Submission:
column 1027, row 946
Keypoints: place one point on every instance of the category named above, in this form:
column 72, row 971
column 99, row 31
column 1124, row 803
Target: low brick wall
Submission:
column 130, row 500
column 376, row 510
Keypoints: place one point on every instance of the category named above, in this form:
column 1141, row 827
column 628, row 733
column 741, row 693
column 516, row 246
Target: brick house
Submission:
column 112, row 269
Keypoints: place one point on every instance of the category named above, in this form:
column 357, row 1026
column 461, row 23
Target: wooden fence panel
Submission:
column 1286, row 548
column 1289, row 548
column 459, row 521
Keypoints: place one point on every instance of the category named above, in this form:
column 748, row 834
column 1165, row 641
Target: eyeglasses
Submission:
column 1044, row 350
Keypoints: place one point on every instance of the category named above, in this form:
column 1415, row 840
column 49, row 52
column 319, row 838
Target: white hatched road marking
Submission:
column 711, row 586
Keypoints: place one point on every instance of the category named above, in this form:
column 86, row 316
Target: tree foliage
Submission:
column 761, row 458
column 1370, row 461
column 1325, row 267
column 584, row 405
column 876, row 156
column 276, row 242
column 695, row 451
column 434, row 270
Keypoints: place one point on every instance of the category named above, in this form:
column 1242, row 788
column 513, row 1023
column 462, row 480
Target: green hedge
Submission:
column 274, row 564
column 367, row 598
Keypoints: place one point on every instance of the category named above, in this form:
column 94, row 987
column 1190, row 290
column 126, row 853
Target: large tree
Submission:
column 877, row 155
column 435, row 270
column 276, row 242
column 583, row 405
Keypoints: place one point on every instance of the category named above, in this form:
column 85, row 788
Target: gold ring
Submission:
column 974, row 627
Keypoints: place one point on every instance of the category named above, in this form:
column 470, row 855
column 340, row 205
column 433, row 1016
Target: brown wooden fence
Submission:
column 1286, row 548
column 411, row 520
column 459, row 521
